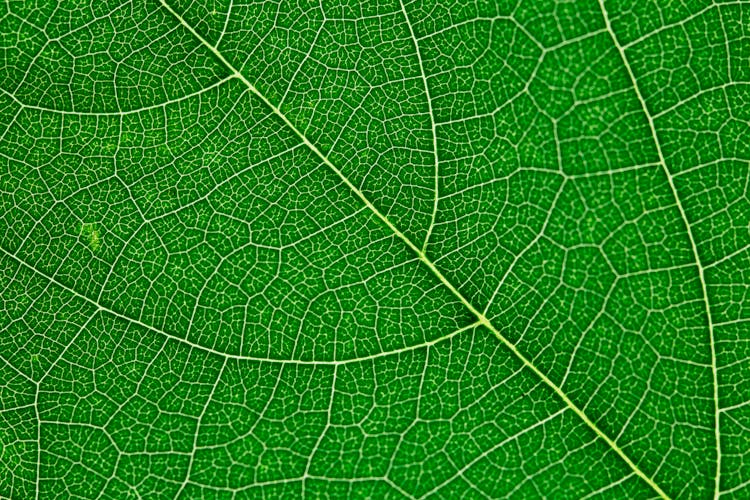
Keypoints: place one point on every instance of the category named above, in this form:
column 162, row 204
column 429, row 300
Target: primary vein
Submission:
column 481, row 317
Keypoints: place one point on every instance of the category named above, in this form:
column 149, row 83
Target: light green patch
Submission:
column 90, row 234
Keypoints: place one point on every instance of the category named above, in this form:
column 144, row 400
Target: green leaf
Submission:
column 437, row 249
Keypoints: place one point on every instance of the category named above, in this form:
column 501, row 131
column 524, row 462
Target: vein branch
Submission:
column 184, row 340
column 423, row 74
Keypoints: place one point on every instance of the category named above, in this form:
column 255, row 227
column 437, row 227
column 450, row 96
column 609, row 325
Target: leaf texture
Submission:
column 437, row 249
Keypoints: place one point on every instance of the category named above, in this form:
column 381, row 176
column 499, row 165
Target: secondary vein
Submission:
column 436, row 160
column 691, row 238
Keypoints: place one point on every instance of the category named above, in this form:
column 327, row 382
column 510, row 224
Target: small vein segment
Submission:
column 482, row 319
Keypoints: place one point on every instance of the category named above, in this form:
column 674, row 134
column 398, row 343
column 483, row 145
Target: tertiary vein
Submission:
column 481, row 317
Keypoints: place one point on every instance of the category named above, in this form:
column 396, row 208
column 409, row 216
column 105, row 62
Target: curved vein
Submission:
column 142, row 109
column 102, row 308
column 691, row 238
column 423, row 74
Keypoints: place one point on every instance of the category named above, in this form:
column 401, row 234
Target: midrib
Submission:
column 420, row 254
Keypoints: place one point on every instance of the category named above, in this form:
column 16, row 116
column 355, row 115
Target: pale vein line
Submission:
column 240, row 357
column 133, row 111
column 737, row 406
column 226, row 22
column 694, row 247
column 323, row 432
column 38, row 441
column 191, row 461
column 423, row 74
column 738, row 487
column 460, row 472
column 679, row 24
column 482, row 319
column 729, row 256
column 16, row 370
column 600, row 491
column 69, row 344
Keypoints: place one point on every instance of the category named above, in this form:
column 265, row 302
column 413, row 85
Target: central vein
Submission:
column 421, row 254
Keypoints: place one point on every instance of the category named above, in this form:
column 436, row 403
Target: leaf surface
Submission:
column 384, row 249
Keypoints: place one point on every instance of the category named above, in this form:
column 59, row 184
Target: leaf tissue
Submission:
column 379, row 249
